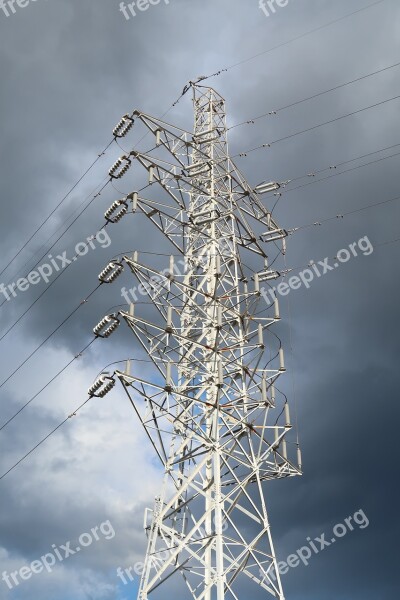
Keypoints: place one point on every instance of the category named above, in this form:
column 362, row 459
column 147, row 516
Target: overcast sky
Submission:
column 69, row 70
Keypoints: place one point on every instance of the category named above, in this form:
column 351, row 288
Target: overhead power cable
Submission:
column 50, row 248
column 61, row 324
column 339, row 217
column 342, row 215
column 16, row 464
column 371, row 162
column 290, row 136
column 284, row 184
column 336, row 165
column 38, row 298
column 44, row 439
column 202, row 78
column 387, row 243
column 25, row 267
column 65, row 367
column 295, row 39
column 337, row 87
column 17, row 321
column 63, row 200
column 138, row 360
column 71, row 314
column 309, row 264
column 107, row 182
column 57, row 207
column 314, row 173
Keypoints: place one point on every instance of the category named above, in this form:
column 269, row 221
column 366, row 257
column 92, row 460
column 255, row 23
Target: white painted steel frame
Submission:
column 210, row 410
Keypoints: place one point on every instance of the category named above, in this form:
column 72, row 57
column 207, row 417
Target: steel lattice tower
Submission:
column 211, row 411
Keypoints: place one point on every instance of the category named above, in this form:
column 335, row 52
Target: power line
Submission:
column 38, row 298
column 335, row 166
column 64, row 420
column 65, row 367
column 47, row 384
column 387, row 243
column 133, row 359
column 69, row 416
column 340, row 164
column 26, row 263
column 232, row 66
column 116, row 362
column 299, row 37
column 202, row 78
column 341, row 216
column 59, row 326
column 71, row 314
column 80, row 213
column 298, row 268
column 57, row 207
column 287, row 137
column 372, row 162
column 44, row 439
column 52, row 246
column 337, row 87
column 63, row 200
column 16, row 322
column 107, row 182
column 72, row 223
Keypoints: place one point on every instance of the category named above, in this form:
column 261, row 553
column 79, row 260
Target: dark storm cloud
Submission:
column 69, row 71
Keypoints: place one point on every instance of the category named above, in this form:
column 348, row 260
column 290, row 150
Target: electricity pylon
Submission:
column 212, row 410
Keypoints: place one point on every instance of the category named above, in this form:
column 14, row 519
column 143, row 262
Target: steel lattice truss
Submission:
column 211, row 410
